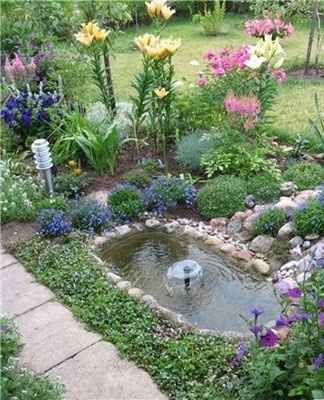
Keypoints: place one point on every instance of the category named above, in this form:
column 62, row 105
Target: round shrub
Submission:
column 269, row 222
column 264, row 187
column 166, row 192
column 305, row 175
column 309, row 218
column 222, row 197
column 88, row 214
column 51, row 222
column 140, row 178
column 71, row 184
column 126, row 202
column 189, row 151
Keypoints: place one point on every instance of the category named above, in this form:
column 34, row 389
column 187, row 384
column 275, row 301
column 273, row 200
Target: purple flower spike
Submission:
column 282, row 321
column 255, row 329
column 240, row 353
column 269, row 339
column 318, row 362
column 256, row 312
column 295, row 293
column 320, row 304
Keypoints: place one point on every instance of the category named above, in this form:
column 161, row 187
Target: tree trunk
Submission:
column 314, row 23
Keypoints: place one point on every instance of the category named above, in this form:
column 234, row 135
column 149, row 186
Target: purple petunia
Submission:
column 269, row 339
column 295, row 293
column 255, row 329
column 281, row 321
column 240, row 353
column 256, row 312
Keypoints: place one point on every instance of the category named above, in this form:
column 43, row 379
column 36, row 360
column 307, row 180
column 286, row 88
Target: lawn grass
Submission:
column 295, row 98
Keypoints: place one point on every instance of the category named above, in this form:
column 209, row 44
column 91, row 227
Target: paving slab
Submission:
column 98, row 373
column 6, row 259
column 20, row 292
column 51, row 335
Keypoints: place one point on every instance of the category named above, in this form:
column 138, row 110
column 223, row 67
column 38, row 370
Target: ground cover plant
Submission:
column 16, row 380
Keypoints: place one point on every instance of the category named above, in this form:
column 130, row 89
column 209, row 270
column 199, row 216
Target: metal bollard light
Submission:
column 44, row 163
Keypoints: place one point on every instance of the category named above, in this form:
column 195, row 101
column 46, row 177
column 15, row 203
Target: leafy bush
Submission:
column 126, row 202
column 189, row 151
column 305, row 175
column 212, row 20
column 166, row 192
column 139, row 177
column 269, row 222
column 89, row 214
column 21, row 196
column 17, row 382
column 71, row 184
column 222, row 197
column 309, row 218
column 264, row 187
column 51, row 222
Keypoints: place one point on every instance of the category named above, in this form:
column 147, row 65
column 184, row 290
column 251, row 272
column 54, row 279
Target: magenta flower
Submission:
column 275, row 27
column 281, row 321
column 279, row 75
column 202, row 81
column 269, row 339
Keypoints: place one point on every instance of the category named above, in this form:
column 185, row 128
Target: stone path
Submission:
column 57, row 345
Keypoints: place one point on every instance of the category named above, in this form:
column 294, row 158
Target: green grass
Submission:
column 296, row 96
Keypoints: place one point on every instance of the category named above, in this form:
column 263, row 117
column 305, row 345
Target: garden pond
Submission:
column 218, row 300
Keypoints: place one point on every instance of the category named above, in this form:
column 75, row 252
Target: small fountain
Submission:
column 183, row 275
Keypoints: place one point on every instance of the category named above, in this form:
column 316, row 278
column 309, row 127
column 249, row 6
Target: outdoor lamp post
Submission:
column 44, row 163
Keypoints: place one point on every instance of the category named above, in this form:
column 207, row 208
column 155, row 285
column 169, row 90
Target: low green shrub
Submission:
column 166, row 192
column 305, row 175
column 264, row 187
column 17, row 382
column 309, row 218
column 71, row 184
column 222, row 197
column 269, row 222
column 139, row 177
column 190, row 149
column 126, row 202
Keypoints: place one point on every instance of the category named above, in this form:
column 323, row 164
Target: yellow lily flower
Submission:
column 161, row 93
column 145, row 40
column 166, row 12
column 84, row 39
column 151, row 8
column 171, row 46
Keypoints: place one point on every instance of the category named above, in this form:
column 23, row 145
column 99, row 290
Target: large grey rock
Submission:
column 214, row 241
column 20, row 291
column 261, row 244
column 261, row 266
column 234, row 226
column 172, row 226
column 193, row 233
column 51, row 335
column 303, row 196
column 98, row 373
column 286, row 204
column 286, row 232
column 152, row 223
column 218, row 223
column 123, row 230
column 295, row 242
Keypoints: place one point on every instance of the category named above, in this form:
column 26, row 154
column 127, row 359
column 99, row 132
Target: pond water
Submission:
column 216, row 302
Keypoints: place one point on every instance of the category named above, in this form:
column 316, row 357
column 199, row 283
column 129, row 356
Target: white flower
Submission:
column 177, row 84
column 194, row 63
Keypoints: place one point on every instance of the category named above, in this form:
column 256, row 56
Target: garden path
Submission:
column 59, row 346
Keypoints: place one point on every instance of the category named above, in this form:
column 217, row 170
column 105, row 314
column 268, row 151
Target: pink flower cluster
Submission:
column 227, row 59
column 246, row 107
column 279, row 75
column 16, row 68
column 275, row 27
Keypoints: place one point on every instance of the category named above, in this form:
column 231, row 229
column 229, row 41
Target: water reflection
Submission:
column 224, row 292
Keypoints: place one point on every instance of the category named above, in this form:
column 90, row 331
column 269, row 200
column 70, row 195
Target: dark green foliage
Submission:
column 185, row 365
column 10, row 340
column 70, row 184
column 222, row 197
column 139, row 177
column 125, row 202
column 189, row 151
column 264, row 187
column 305, row 175
column 269, row 222
column 309, row 218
